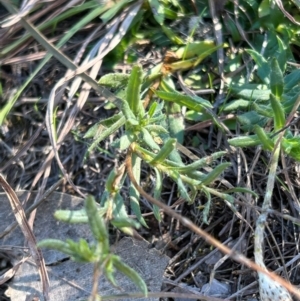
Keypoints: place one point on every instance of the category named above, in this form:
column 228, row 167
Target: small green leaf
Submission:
column 276, row 80
column 250, row 118
column 172, row 36
column 158, row 11
column 125, row 222
column 252, row 92
column 124, row 142
column 263, row 68
column 71, row 216
column 291, row 80
column 180, row 185
column 157, row 192
column 55, row 244
column 291, row 146
column 176, row 125
column 156, row 129
column 134, row 90
column 281, row 55
column 233, row 30
column 109, row 271
column 264, row 8
column 130, row 117
column 200, row 163
column 133, row 193
column 195, row 48
column 97, row 223
column 152, row 109
column 106, row 132
column 279, row 116
column 114, row 80
column 215, row 173
column 191, row 102
column 164, row 152
column 131, row 274
column 245, row 141
column 266, row 142
column 263, row 110
column 119, row 210
column 237, row 104
column 243, row 190
column 148, row 139
column 99, row 127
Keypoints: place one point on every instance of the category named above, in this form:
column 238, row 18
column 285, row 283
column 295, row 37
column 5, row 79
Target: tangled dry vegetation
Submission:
column 46, row 113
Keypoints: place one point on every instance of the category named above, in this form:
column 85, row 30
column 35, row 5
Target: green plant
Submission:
column 149, row 105
column 99, row 252
column 273, row 141
column 147, row 134
column 282, row 99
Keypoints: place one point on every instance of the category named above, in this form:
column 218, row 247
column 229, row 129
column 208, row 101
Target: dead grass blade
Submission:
column 23, row 149
column 11, row 272
column 25, row 10
column 28, row 234
column 105, row 45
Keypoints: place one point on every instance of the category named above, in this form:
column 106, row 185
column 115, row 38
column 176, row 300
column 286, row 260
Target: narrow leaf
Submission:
column 192, row 102
column 131, row 274
column 215, row 173
column 55, row 244
column 164, row 152
column 134, row 89
column 133, row 193
column 158, row 11
column 263, row 68
column 245, row 141
column 194, row 48
column 97, row 223
column 106, row 132
column 114, row 80
column 157, row 192
column 266, row 142
column 148, row 139
column 276, row 79
column 279, row 116
column 180, row 185
column 243, row 190
column 200, row 163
